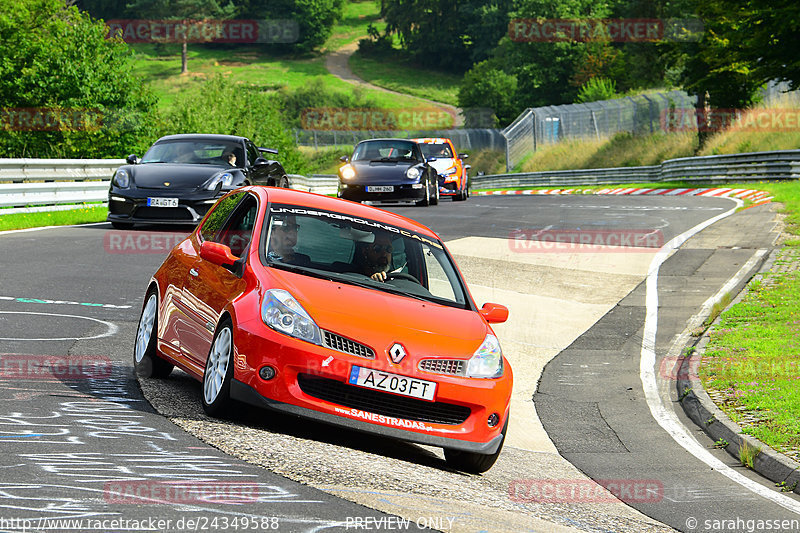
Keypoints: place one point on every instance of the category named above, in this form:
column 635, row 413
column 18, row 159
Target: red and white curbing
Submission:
column 758, row 197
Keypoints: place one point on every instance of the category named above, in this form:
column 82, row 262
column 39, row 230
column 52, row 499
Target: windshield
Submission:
column 438, row 150
column 390, row 149
column 352, row 250
column 195, row 152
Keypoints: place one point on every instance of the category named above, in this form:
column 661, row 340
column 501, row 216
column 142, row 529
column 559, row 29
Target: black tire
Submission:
column 425, row 202
column 122, row 225
column 435, row 197
column 218, row 374
column 146, row 361
column 283, row 182
column 474, row 463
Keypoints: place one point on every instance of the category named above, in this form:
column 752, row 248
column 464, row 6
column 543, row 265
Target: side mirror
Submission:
column 260, row 161
column 344, row 159
column 217, row 253
column 463, row 156
column 467, row 167
column 268, row 150
column 494, row 313
column 132, row 159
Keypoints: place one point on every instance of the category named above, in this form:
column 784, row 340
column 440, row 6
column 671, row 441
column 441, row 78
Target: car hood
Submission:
column 379, row 319
column 156, row 175
column 443, row 164
column 382, row 171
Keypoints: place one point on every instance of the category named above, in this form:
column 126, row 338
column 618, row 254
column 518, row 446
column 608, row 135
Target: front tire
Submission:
column 146, row 361
column 427, row 200
column 474, row 463
column 219, row 371
column 283, row 183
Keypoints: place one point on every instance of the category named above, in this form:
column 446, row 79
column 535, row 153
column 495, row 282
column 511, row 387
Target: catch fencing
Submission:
column 642, row 114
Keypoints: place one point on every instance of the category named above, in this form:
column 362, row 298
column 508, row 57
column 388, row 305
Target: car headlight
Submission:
column 449, row 172
column 348, row 172
column 226, row 178
column 487, row 361
column 281, row 312
column 122, row 179
column 413, row 173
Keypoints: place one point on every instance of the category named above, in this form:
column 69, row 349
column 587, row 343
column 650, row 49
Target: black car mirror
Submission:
column 344, row 159
column 260, row 161
column 463, row 156
column 132, row 159
column 268, row 151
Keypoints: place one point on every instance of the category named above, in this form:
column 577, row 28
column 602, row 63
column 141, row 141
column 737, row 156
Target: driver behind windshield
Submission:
column 283, row 239
column 374, row 259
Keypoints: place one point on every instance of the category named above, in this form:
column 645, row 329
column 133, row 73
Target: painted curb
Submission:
column 702, row 410
column 753, row 195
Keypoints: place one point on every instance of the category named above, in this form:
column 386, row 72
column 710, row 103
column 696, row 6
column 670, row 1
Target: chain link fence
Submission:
column 463, row 138
column 642, row 114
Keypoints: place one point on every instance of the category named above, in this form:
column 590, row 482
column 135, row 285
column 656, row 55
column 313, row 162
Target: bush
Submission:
column 597, row 89
column 486, row 86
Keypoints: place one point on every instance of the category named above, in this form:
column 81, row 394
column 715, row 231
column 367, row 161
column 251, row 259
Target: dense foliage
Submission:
column 65, row 90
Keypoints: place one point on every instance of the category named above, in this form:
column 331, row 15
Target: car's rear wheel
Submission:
column 145, row 357
column 474, row 463
column 219, row 371
column 283, row 182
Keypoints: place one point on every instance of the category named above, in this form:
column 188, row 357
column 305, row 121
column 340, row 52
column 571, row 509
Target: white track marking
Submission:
column 111, row 328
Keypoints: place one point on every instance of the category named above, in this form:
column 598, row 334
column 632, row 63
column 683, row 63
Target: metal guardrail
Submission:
column 753, row 166
column 49, row 183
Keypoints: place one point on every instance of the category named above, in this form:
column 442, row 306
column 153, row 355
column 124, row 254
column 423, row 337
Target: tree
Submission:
column 314, row 18
column 487, row 86
column 181, row 10
column 66, row 90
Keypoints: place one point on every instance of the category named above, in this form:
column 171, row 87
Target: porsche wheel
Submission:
column 145, row 359
column 283, row 183
column 219, row 371
column 427, row 200
column 474, row 463
column 435, row 197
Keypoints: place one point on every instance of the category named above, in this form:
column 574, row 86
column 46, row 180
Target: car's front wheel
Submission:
column 474, row 463
column 219, row 371
column 427, row 200
column 145, row 359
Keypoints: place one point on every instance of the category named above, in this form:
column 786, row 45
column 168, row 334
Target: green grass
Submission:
column 357, row 16
column 89, row 213
column 396, row 72
column 752, row 357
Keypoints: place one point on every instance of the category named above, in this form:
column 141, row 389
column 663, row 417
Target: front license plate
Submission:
column 380, row 188
column 162, row 202
column 388, row 382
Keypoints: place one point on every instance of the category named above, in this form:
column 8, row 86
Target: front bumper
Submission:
column 312, row 382
column 130, row 206
column 401, row 193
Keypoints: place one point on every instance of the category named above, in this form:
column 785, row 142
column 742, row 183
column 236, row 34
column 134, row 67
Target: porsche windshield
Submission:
column 439, row 150
column 362, row 252
column 194, row 152
column 386, row 149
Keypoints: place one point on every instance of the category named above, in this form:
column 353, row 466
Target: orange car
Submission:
column 453, row 178
column 335, row 311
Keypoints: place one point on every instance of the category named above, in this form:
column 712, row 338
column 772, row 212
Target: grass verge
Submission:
column 84, row 215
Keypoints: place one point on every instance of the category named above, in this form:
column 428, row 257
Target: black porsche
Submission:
column 181, row 176
column 388, row 170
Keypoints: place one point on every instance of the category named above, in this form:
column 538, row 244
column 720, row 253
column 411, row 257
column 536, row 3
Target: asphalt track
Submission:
column 71, row 445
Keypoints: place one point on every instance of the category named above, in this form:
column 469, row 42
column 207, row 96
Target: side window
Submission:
column 438, row 281
column 221, row 211
column 238, row 231
column 252, row 154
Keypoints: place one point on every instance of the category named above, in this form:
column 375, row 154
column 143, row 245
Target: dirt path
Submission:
column 337, row 64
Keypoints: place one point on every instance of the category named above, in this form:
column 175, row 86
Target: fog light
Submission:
column 266, row 373
column 493, row 420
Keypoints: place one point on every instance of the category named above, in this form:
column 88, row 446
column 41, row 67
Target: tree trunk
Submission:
column 184, row 58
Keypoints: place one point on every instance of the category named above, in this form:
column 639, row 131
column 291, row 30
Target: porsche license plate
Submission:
column 388, row 382
column 162, row 202
column 380, row 188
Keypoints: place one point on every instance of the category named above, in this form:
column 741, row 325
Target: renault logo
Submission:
column 397, row 353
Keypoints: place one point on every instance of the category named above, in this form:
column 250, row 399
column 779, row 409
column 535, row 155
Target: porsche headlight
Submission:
column 122, row 179
column 487, row 361
column 348, row 172
column 226, row 178
column 413, row 173
column 281, row 312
